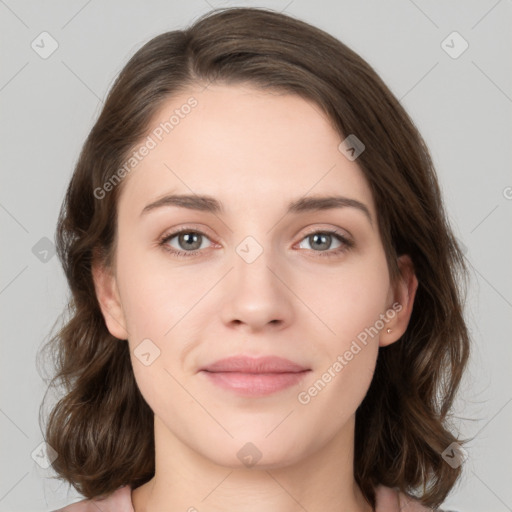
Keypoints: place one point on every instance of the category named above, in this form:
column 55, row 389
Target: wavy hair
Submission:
column 99, row 425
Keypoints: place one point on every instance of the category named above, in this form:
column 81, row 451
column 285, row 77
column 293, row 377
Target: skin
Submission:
column 254, row 151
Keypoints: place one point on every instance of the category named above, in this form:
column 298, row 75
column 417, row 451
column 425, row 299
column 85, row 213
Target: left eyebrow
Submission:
column 312, row 204
column 304, row 204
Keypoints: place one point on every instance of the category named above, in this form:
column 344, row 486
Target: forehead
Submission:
column 248, row 147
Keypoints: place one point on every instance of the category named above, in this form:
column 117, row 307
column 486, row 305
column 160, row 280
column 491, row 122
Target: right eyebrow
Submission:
column 192, row 202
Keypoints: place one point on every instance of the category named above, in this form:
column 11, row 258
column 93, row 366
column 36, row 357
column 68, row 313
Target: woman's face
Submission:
column 263, row 277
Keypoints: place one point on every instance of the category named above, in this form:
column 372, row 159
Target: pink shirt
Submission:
column 388, row 500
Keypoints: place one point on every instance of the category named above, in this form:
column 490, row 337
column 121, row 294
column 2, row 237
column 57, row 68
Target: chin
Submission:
column 260, row 453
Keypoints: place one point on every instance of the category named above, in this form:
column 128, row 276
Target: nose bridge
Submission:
column 254, row 256
column 253, row 240
column 256, row 295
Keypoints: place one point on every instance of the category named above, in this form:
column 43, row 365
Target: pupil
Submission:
column 320, row 237
column 190, row 239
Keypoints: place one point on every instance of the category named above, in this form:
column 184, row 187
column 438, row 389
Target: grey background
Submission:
column 461, row 105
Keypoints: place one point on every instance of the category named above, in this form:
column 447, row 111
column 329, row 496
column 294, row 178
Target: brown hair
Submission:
column 99, row 428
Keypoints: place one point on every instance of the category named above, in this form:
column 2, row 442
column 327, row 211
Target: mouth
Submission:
column 254, row 384
column 249, row 376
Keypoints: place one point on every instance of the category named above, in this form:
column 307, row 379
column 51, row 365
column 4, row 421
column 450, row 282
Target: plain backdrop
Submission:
column 460, row 98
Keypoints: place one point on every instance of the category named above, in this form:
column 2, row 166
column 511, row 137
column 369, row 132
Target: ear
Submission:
column 108, row 297
column 403, row 301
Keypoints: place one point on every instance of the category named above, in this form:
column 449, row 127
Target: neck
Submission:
column 185, row 480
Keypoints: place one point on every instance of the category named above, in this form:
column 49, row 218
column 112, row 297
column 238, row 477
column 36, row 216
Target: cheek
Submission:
column 352, row 303
column 153, row 298
column 146, row 307
column 352, row 299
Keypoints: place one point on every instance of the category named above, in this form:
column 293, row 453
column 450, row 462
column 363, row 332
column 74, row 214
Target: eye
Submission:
column 190, row 240
column 321, row 240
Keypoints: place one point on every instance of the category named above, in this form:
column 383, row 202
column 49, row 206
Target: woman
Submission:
column 267, row 301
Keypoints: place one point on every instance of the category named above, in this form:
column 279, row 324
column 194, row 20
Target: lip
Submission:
column 246, row 364
column 249, row 376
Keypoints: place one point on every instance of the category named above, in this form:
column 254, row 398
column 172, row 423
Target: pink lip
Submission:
column 254, row 376
column 244, row 364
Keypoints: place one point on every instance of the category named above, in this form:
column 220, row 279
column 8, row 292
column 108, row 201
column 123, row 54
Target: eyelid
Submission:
column 185, row 228
column 172, row 232
column 334, row 229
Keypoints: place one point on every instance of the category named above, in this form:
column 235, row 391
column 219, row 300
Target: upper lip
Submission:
column 245, row 364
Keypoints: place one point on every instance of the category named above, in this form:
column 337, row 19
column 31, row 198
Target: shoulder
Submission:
column 118, row 501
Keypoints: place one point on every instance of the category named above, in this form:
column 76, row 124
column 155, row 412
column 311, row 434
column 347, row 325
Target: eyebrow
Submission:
column 209, row 204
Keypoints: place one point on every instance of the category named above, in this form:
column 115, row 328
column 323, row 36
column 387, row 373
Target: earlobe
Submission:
column 404, row 293
column 109, row 300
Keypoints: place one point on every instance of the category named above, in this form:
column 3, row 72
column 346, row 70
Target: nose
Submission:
column 255, row 294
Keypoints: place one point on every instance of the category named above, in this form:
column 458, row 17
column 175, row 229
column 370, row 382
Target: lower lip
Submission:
column 255, row 384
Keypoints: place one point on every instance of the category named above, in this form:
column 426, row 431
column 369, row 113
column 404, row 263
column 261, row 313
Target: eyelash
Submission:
column 346, row 243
